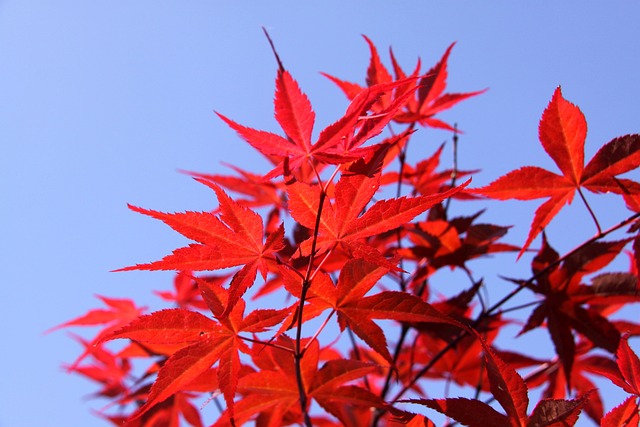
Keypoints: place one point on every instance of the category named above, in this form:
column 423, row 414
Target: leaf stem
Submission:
column 266, row 343
column 593, row 216
column 315, row 336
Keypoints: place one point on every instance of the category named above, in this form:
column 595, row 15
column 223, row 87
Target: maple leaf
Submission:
column 233, row 238
column 626, row 375
column 562, row 132
column 204, row 342
column 453, row 242
column 107, row 369
column 294, row 114
column 120, row 312
column 343, row 223
column 167, row 414
column 430, row 99
column 511, row 392
column 565, row 296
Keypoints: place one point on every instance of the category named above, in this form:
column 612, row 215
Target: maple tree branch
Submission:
column 298, row 354
column 519, row 307
column 396, row 353
column 545, row 270
column 429, row 365
column 454, row 171
column 401, row 159
column 593, row 215
column 273, row 48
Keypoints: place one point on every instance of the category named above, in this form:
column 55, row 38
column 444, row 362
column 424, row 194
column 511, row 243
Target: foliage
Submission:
column 347, row 238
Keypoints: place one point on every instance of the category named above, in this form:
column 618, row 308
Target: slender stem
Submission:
column 454, row 171
column 266, row 343
column 315, row 336
column 356, row 351
column 303, row 294
column 593, row 216
column 519, row 307
column 402, row 283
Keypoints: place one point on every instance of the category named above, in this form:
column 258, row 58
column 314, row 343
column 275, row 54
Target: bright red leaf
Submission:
column 563, row 131
column 234, row 238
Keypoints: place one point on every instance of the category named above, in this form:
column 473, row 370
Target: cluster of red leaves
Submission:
column 337, row 256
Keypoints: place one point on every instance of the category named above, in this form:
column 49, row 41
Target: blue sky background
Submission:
column 102, row 102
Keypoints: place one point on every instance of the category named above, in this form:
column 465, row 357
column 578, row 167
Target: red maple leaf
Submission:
column 257, row 191
column 452, row 242
column 430, row 98
column 204, row 342
column 234, row 238
column 120, row 312
column 626, row 377
column 563, row 130
column 336, row 143
column 565, row 304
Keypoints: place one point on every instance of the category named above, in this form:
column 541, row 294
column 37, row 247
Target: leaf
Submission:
column 563, row 305
column 453, row 242
column 169, row 326
column 629, row 365
column 468, row 412
column 120, row 312
column 343, row 224
column 187, row 295
column 584, row 366
column 357, row 311
column 562, row 133
column 429, row 100
column 508, row 387
column 181, row 369
column 296, row 118
column 232, row 238
column 204, row 342
column 556, row 412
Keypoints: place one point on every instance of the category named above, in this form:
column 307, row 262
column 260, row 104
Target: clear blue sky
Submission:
column 102, row 101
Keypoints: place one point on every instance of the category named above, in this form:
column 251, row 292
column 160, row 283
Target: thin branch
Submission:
column 273, row 48
column 454, row 171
